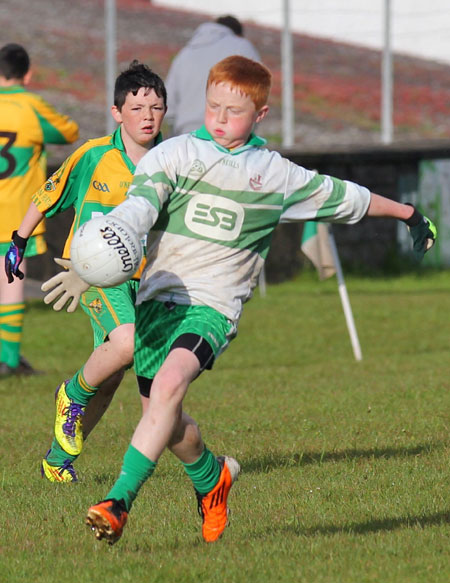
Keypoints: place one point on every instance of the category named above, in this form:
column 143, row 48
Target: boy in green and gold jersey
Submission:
column 94, row 180
column 27, row 123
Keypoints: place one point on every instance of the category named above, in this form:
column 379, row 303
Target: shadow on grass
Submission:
column 372, row 526
column 274, row 460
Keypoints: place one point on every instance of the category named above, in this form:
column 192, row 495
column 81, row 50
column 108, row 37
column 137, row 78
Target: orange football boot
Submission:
column 212, row 507
column 107, row 519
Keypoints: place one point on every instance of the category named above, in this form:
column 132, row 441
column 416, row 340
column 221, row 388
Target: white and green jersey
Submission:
column 211, row 214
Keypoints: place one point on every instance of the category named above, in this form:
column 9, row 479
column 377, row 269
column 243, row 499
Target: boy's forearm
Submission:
column 138, row 212
column 30, row 221
column 381, row 206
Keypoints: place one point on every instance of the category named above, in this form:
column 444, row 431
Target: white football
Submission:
column 106, row 251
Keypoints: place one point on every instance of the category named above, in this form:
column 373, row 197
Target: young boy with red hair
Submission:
column 210, row 201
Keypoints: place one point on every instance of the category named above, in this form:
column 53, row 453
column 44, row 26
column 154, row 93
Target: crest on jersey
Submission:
column 198, row 168
column 256, row 182
column 50, row 185
column 96, row 305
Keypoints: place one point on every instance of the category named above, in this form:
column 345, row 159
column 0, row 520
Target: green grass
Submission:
column 345, row 465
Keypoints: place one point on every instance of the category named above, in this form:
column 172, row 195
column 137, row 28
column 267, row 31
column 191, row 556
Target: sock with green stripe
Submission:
column 79, row 390
column 11, row 326
column 204, row 472
column 136, row 469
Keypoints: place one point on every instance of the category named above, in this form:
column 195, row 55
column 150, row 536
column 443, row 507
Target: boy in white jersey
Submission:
column 210, row 201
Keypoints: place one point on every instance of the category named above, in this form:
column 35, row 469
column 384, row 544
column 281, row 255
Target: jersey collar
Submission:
column 253, row 141
column 117, row 141
column 13, row 89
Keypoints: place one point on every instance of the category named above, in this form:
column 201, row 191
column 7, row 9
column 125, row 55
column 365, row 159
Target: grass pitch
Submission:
column 345, row 465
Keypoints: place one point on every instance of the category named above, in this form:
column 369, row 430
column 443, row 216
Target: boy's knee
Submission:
column 169, row 384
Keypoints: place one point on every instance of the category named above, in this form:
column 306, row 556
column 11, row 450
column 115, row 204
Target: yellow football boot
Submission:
column 68, row 425
column 64, row 473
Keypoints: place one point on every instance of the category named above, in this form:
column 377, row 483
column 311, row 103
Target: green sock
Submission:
column 57, row 456
column 79, row 389
column 11, row 326
column 204, row 472
column 136, row 469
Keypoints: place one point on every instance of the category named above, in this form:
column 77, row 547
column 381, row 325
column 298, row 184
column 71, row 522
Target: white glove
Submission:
column 64, row 286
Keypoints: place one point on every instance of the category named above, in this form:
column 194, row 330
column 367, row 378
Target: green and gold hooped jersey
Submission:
column 93, row 180
column 27, row 123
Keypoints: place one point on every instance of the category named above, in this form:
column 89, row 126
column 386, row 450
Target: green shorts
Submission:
column 159, row 324
column 36, row 246
column 109, row 308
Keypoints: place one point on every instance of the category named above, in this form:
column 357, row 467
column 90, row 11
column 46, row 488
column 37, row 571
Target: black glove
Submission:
column 14, row 257
column 423, row 232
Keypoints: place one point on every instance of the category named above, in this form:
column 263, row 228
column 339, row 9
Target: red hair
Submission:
column 247, row 76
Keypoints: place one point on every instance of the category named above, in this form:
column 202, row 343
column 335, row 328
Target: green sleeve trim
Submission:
column 334, row 200
column 51, row 134
column 306, row 191
column 149, row 186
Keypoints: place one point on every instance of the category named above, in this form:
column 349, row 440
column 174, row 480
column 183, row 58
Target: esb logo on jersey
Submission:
column 214, row 217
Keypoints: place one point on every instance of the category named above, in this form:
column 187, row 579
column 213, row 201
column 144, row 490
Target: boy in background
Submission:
column 94, row 180
column 27, row 123
column 188, row 73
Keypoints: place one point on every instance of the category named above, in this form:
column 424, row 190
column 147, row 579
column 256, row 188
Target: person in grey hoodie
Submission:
column 186, row 79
